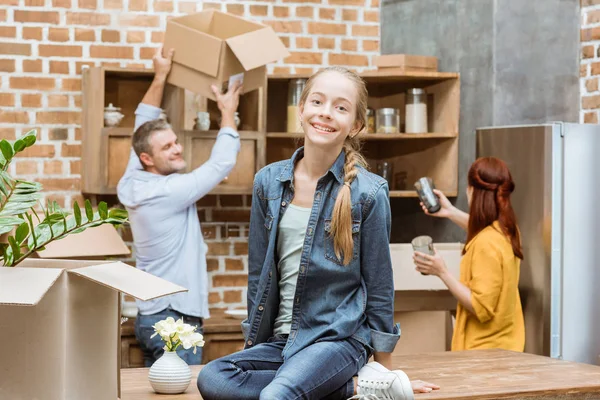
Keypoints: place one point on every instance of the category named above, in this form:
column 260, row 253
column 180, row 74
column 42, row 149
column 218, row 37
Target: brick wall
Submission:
column 590, row 61
column 44, row 43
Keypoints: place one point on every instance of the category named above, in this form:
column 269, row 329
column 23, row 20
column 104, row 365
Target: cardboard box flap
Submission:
column 202, row 53
column 103, row 240
column 257, row 48
column 129, row 280
column 26, row 286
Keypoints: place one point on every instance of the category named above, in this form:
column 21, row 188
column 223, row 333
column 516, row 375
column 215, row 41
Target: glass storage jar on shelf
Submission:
column 415, row 118
column 295, row 88
column 370, row 120
column 387, row 120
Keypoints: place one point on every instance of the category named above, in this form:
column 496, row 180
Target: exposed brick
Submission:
column 89, row 4
column 187, row 7
column 54, row 167
column 84, row 35
column 322, row 28
column 17, row 49
column 591, row 85
column 595, row 68
column 113, row 4
column 59, row 50
column 240, row 248
column 370, row 45
column 349, row 45
column 304, row 42
column 211, row 6
column 348, row 59
column 365, row 30
column 32, row 33
column 58, row 100
column 207, row 201
column 138, row 5
column 7, row 133
column 305, row 12
column 111, row 52
column 58, row 117
column 139, row 20
column 232, row 296
column 50, row 184
column 77, row 100
column 77, row 133
column 39, row 150
column 231, row 201
column 370, row 16
column 146, row 53
column 136, row 36
column 285, row 26
column 32, row 83
column 14, row 117
column 285, row 40
column 61, row 3
column 2, row 15
column 349, row 15
column 326, row 43
column 71, row 85
column 70, row 150
column 304, row 58
column 214, row 298
column 27, row 16
column 26, row 167
column 257, row 10
column 111, row 36
column 8, row 31
column 360, row 3
column 327, row 13
column 31, row 100
column 157, row 37
column 230, row 280
column 163, row 6
column 209, row 232
column 80, row 64
column 234, row 264
column 32, row 65
column 281, row 12
column 59, row 67
column 235, row 9
column 58, row 34
column 218, row 249
column 233, row 231
column 75, row 167
column 374, row 3
column 59, row 134
column 212, row 264
column 590, row 117
column 7, row 65
column 590, row 102
column 10, row 2
column 229, row 215
column 7, row 100
column 87, row 18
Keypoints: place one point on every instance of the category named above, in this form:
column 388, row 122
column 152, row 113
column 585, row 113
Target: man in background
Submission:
column 161, row 201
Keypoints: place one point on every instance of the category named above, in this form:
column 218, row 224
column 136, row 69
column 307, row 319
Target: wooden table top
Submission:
column 475, row 374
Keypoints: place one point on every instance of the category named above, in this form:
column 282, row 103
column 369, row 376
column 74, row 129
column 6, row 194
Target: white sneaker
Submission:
column 376, row 382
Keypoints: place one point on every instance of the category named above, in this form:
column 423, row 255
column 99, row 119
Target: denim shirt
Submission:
column 332, row 301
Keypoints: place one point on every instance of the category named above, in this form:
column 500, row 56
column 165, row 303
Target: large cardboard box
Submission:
column 59, row 327
column 211, row 47
column 407, row 62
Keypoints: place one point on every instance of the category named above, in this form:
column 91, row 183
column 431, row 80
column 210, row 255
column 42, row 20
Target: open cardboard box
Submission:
column 212, row 47
column 59, row 326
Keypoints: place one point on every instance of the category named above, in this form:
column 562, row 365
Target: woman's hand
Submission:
column 228, row 103
column 430, row 265
column 447, row 207
column 423, row 387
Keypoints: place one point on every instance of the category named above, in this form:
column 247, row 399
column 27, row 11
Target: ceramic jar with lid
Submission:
column 387, row 120
column 112, row 116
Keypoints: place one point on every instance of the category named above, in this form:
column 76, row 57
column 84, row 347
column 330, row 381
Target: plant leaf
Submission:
column 14, row 246
column 89, row 212
column 77, row 213
column 118, row 213
column 6, row 149
column 19, row 145
column 103, row 210
column 22, row 233
column 29, row 138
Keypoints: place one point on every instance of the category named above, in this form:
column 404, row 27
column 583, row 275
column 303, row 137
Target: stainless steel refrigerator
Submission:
column 556, row 169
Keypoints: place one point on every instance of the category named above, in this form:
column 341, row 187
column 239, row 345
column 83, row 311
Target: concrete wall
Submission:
column 519, row 64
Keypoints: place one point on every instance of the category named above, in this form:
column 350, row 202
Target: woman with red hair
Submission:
column 489, row 313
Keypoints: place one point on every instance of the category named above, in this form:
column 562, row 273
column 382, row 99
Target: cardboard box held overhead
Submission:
column 59, row 326
column 212, row 47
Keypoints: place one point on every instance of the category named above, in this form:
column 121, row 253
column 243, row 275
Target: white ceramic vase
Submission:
column 170, row 374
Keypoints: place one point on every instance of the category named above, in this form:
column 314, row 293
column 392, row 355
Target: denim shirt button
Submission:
column 302, row 269
column 270, row 273
column 260, row 308
column 318, row 195
column 249, row 342
column 283, row 204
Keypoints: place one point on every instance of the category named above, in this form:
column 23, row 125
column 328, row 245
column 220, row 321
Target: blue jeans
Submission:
column 323, row 370
column 153, row 348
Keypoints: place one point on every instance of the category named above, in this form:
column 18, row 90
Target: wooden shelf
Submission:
column 413, row 193
column 118, row 131
column 373, row 136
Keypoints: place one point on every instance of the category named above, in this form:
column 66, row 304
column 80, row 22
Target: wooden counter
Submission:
column 476, row 374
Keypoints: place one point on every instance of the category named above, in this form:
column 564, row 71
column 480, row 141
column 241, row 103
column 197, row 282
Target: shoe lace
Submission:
column 376, row 389
column 364, row 397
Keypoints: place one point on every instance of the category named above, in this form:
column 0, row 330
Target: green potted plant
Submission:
column 30, row 232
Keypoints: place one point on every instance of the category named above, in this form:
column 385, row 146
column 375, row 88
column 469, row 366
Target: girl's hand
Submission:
column 447, row 207
column 423, row 387
column 430, row 265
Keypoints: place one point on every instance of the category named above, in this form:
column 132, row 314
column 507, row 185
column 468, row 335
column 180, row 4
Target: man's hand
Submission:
column 228, row 103
column 162, row 65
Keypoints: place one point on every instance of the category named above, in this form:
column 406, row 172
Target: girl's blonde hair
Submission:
column 341, row 221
